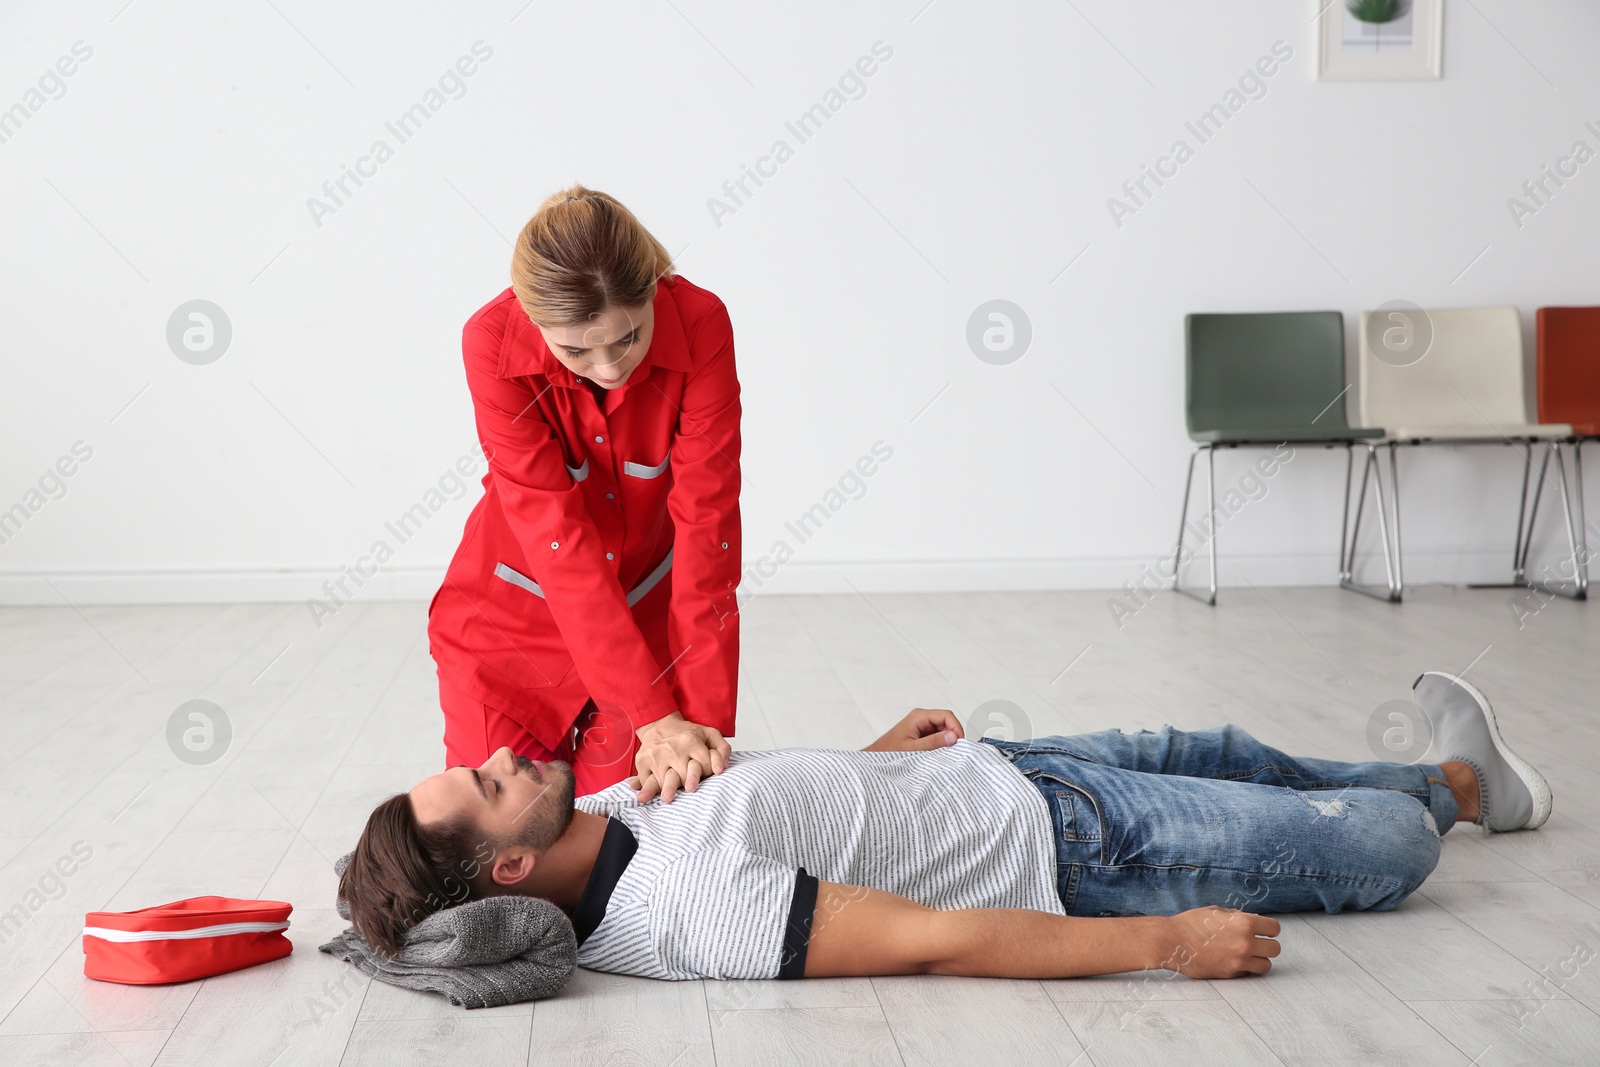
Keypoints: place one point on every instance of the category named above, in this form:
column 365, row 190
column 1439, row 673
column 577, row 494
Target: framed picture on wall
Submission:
column 1379, row 40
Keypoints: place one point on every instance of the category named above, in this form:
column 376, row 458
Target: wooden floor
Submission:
column 1494, row 961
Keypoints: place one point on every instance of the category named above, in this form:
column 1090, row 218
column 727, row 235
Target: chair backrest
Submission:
column 1569, row 367
column 1470, row 375
column 1272, row 371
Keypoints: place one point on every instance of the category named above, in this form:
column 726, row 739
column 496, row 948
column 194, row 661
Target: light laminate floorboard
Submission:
column 1490, row 963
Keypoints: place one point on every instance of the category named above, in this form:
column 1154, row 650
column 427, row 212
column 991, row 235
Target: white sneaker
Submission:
column 1511, row 794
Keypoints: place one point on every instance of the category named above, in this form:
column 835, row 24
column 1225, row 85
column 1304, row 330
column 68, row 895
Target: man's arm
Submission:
column 858, row 931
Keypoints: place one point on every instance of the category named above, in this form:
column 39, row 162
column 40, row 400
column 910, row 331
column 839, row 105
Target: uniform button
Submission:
column 610, row 556
column 611, row 496
column 724, row 544
column 598, row 439
column 555, row 544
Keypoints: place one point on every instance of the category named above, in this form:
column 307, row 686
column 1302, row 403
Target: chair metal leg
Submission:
column 1582, row 524
column 1347, row 554
column 1210, row 527
column 1211, row 517
column 1389, row 563
column 1577, row 543
column 1519, row 574
column 1371, row 471
column 1517, row 560
column 1344, row 519
column 1394, row 497
column 1577, row 540
column 1183, row 526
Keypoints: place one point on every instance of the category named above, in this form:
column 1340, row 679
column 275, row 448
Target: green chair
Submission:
column 1265, row 379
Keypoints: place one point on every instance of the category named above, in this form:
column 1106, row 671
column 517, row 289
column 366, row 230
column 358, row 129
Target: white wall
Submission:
column 179, row 162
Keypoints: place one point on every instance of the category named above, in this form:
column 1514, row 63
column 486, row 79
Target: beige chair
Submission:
column 1448, row 376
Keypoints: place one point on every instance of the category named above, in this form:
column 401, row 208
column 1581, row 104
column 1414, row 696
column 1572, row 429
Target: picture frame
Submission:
column 1398, row 40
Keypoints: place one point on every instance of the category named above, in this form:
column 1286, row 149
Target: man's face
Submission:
column 515, row 802
column 606, row 349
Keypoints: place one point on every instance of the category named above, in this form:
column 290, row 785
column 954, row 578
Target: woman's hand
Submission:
column 921, row 731
column 1215, row 942
column 675, row 754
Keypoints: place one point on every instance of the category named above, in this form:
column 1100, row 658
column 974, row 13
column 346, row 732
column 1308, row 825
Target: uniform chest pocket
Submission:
column 647, row 470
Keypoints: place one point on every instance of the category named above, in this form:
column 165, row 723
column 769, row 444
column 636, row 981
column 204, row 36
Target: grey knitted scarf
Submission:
column 481, row 954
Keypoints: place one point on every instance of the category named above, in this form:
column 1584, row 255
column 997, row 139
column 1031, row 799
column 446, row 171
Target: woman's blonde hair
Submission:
column 581, row 253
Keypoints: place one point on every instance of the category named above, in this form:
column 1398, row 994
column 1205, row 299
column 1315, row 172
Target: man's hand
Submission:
column 1215, row 942
column 675, row 753
column 921, row 731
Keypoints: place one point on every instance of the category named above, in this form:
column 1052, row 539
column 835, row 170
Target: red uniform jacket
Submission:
column 603, row 559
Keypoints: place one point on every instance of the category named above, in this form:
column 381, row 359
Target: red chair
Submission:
column 1569, row 391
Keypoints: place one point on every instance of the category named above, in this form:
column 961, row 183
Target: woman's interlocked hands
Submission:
column 676, row 754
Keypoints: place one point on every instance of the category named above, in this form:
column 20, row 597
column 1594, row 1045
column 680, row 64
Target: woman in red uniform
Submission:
column 589, row 614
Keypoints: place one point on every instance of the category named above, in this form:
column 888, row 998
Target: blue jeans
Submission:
column 1154, row 822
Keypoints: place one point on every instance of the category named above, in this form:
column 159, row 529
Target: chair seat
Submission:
column 1274, row 435
column 1479, row 431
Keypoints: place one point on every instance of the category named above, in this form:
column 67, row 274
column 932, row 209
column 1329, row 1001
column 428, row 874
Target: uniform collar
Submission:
column 523, row 351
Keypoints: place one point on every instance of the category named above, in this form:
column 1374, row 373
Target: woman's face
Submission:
column 608, row 347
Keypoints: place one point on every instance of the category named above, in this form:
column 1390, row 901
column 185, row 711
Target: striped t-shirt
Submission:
column 722, row 882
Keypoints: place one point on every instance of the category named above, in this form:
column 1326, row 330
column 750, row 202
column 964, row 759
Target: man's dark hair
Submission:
column 402, row 871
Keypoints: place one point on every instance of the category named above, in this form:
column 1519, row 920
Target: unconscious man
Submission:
column 930, row 853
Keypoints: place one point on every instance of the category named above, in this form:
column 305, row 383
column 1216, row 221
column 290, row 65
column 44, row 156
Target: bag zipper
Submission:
column 221, row 930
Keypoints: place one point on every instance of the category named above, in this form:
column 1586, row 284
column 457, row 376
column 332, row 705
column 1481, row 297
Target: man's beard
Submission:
column 546, row 818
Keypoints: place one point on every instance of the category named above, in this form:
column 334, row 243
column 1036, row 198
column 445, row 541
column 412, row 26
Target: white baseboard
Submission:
column 157, row 585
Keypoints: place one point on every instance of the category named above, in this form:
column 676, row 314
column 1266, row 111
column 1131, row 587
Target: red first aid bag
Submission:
column 184, row 940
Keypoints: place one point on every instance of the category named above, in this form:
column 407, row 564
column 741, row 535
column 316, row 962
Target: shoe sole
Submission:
column 1531, row 778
